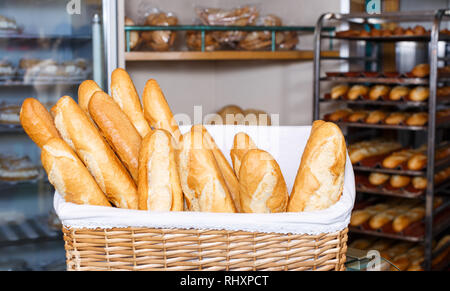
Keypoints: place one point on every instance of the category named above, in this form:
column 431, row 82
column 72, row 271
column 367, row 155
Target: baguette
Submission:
column 357, row 91
column 399, row 181
column 404, row 220
column 417, row 162
column 159, row 187
column 69, row 176
column 419, row 94
column 37, row 122
column 85, row 92
column 79, row 132
column 396, row 118
column 117, row 129
column 397, row 158
column 376, row 116
column 378, row 179
column 419, row 183
column 201, row 180
column 126, row 96
column 357, row 116
column 417, row 119
column 157, row 111
column 225, row 168
column 398, row 92
column 362, row 215
column 262, row 185
column 378, row 91
column 365, row 149
column 242, row 143
column 421, row 70
column 339, row 115
column 388, row 215
column 320, row 177
column 339, row 91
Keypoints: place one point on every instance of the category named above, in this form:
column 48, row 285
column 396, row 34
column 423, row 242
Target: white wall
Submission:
column 282, row 87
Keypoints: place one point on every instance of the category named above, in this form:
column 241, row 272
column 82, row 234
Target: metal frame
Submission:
column 434, row 17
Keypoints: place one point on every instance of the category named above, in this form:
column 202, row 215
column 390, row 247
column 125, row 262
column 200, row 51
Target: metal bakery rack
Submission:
column 436, row 220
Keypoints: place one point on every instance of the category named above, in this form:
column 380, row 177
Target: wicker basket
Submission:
column 181, row 249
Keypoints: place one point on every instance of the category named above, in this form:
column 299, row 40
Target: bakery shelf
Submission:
column 388, row 171
column 378, row 80
column 386, row 235
column 375, row 102
column 416, row 38
column 27, row 231
column 382, row 126
column 295, row 55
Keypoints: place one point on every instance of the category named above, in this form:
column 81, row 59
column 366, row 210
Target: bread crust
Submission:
column 69, row 176
column 37, row 122
column 126, row 96
column 242, row 143
column 262, row 185
column 79, row 132
column 85, row 92
column 320, row 177
column 117, row 129
column 159, row 187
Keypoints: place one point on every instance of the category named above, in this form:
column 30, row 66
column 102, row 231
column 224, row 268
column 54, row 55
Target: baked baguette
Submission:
column 157, row 111
column 376, row 116
column 419, row 183
column 339, row 91
column 225, row 168
column 388, row 215
column 242, row 143
column 320, row 177
column 357, row 116
column 396, row 118
column 417, row 119
column 398, row 92
column 418, row 161
column 85, row 92
column 37, row 122
column 79, row 132
column 357, row 91
column 262, row 185
column 419, row 94
column 360, row 216
column 339, row 115
column 69, row 176
column 361, row 150
column 159, row 187
column 117, row 129
column 378, row 91
column 421, row 70
column 404, row 220
column 378, row 179
column 399, row 181
column 397, row 158
column 201, row 180
column 126, row 96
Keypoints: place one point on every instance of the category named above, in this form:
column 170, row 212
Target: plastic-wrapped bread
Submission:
column 159, row 187
column 134, row 35
column 117, row 129
column 320, row 177
column 80, row 133
column 398, row 92
column 37, row 122
column 378, row 91
column 339, row 91
column 69, row 176
column 262, row 185
column 357, row 91
column 242, row 143
column 202, row 182
column 157, row 110
column 404, row 220
column 126, row 96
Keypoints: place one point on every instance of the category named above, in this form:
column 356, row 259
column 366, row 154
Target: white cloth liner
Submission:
column 285, row 143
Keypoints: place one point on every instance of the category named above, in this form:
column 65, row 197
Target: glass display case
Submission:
column 46, row 51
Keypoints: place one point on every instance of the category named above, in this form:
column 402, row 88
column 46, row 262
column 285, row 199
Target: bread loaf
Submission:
column 397, row 158
column 157, row 111
column 378, row 91
column 202, row 182
column 159, row 187
column 417, row 162
column 85, row 91
column 262, row 185
column 357, row 116
column 421, row 70
column 79, row 132
column 117, row 129
column 242, row 143
column 69, row 176
column 360, row 216
column 417, row 119
column 396, row 118
column 419, row 94
column 398, row 92
column 320, row 177
column 357, row 91
column 399, row 181
column 126, row 96
column 37, row 122
column 339, row 115
column 404, row 220
column 378, row 179
column 339, row 91
column 376, row 116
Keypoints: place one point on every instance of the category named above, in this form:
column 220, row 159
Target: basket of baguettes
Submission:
column 134, row 191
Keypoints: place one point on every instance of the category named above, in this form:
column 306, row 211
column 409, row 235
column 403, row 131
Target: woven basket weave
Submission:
column 181, row 249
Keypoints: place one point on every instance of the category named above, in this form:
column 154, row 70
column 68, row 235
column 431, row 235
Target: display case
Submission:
column 46, row 51
column 364, row 66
